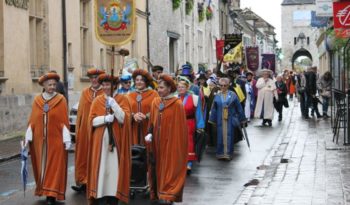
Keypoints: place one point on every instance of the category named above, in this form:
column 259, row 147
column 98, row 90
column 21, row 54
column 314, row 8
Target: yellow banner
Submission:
column 234, row 55
column 115, row 21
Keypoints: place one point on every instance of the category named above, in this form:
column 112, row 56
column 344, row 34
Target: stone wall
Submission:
column 15, row 111
column 290, row 30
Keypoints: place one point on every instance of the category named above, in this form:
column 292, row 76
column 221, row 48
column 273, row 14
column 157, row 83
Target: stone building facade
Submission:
column 298, row 37
column 31, row 43
column 177, row 37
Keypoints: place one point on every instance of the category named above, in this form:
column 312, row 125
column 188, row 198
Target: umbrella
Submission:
column 200, row 144
column 24, row 167
column 245, row 136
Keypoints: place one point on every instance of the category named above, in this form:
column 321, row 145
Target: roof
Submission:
column 297, row 2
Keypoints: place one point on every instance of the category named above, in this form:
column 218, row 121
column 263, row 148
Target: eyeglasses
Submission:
column 127, row 82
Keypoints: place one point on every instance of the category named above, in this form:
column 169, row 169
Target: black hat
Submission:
column 157, row 67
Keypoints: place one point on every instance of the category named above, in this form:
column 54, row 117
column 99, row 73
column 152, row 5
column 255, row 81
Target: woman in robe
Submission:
column 266, row 92
column 227, row 114
column 168, row 144
column 194, row 116
column 109, row 156
column 141, row 101
column 49, row 139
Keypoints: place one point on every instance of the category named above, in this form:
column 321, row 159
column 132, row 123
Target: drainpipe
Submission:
column 148, row 23
column 64, row 32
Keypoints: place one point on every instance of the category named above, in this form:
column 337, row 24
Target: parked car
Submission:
column 73, row 119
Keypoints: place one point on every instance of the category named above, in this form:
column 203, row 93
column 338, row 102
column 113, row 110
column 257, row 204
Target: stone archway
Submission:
column 299, row 53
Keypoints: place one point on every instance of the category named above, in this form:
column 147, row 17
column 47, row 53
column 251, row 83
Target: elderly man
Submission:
column 49, row 140
column 82, row 140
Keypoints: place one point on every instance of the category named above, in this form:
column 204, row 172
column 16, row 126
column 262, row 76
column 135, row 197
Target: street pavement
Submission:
column 314, row 170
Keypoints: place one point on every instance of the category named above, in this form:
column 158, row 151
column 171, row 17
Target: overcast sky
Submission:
column 270, row 10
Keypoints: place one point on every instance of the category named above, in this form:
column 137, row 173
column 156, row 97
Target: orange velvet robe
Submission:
column 122, row 138
column 170, row 148
column 139, row 130
column 54, row 179
column 82, row 133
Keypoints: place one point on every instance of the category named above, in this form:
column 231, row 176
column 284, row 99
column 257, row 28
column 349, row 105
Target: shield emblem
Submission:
column 115, row 21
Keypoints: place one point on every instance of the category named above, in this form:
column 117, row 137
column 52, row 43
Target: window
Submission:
column 85, row 37
column 36, row 36
column 200, row 47
column 187, row 44
column 2, row 74
column 172, row 54
column 70, row 57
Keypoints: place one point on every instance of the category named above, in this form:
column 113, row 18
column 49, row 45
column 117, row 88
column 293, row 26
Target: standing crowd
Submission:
column 167, row 118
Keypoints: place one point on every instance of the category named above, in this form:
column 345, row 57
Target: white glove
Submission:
column 67, row 145
column 112, row 102
column 29, row 136
column 109, row 118
column 148, row 138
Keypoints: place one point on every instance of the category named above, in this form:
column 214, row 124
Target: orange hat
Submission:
column 144, row 73
column 48, row 76
column 94, row 71
column 169, row 80
column 108, row 78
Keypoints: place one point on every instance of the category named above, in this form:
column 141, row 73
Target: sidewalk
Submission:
column 10, row 148
column 303, row 167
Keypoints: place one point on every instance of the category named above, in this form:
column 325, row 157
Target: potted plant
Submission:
column 209, row 13
column 189, row 6
column 176, row 4
column 201, row 12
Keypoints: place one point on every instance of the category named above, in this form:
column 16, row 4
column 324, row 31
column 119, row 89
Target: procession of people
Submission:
column 173, row 118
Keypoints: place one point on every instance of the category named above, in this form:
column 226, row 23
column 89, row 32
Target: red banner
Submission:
column 341, row 17
column 220, row 49
column 252, row 56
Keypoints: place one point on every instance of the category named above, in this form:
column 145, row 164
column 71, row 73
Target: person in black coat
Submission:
column 311, row 90
column 282, row 92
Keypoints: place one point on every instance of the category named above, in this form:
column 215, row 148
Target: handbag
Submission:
column 285, row 103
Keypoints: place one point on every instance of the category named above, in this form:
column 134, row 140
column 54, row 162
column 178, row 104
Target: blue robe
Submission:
column 226, row 128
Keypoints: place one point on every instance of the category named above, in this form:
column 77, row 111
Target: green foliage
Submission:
column 209, row 13
column 189, row 6
column 201, row 12
column 176, row 4
column 337, row 42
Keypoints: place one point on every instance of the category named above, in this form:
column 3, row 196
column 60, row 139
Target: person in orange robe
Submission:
column 49, row 139
column 109, row 162
column 141, row 100
column 167, row 144
column 82, row 138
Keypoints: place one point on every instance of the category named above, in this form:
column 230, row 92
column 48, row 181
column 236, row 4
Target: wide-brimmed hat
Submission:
column 48, row 76
column 143, row 73
column 264, row 70
column 169, row 80
column 108, row 78
column 94, row 72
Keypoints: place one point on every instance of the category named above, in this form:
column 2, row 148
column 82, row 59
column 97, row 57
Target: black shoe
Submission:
column 269, row 123
column 264, row 123
column 164, row 202
column 325, row 115
column 50, row 200
column 79, row 188
column 319, row 116
column 279, row 118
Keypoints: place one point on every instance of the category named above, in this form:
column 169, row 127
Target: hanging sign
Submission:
column 341, row 17
column 115, row 21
